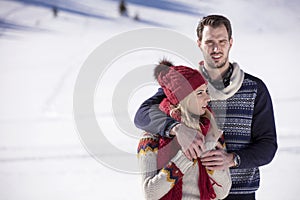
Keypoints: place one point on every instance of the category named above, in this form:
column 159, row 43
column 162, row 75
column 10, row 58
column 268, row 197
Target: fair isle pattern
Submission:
column 147, row 144
column 211, row 172
column 234, row 117
column 173, row 173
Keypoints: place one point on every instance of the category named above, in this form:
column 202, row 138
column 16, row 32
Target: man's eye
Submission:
column 209, row 43
column 223, row 42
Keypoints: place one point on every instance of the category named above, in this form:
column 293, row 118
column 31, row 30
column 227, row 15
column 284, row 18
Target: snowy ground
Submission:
column 41, row 154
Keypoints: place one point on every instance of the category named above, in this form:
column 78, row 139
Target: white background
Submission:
column 41, row 155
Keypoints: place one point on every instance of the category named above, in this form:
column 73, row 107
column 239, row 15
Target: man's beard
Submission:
column 213, row 65
column 220, row 65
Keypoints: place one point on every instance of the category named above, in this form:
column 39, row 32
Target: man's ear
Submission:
column 230, row 42
column 199, row 44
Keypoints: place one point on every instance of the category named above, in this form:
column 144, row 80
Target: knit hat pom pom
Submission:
column 163, row 66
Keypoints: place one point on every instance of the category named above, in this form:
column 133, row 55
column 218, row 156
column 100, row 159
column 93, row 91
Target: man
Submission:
column 243, row 110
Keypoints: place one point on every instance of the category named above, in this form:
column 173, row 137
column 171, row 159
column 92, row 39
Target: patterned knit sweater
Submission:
column 244, row 112
column 234, row 116
column 156, row 183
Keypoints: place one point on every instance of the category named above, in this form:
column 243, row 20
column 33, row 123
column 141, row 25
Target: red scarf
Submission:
column 167, row 152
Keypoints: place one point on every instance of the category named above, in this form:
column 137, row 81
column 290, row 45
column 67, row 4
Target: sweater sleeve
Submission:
column 157, row 183
column 264, row 141
column 151, row 119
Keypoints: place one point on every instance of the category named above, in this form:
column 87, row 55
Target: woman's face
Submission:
column 199, row 100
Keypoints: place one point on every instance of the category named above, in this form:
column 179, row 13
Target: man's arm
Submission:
column 264, row 145
column 151, row 119
column 264, row 141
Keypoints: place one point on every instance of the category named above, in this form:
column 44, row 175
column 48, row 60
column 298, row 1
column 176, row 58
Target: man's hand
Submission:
column 190, row 140
column 217, row 159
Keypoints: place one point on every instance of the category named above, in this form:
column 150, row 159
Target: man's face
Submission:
column 215, row 46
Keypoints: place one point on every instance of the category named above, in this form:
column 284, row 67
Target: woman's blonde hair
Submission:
column 189, row 119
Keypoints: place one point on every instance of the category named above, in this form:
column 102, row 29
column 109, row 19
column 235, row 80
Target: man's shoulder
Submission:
column 252, row 78
column 257, row 83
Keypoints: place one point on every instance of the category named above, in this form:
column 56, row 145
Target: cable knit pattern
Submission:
column 178, row 81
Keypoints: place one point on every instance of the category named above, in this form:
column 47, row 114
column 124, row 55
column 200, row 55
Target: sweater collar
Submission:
column 223, row 93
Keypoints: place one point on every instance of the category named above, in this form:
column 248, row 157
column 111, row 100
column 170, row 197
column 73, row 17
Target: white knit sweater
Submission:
column 157, row 183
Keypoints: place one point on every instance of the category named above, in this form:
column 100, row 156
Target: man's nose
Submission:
column 215, row 48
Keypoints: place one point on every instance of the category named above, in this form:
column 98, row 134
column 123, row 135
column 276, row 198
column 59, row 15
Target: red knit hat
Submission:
column 177, row 81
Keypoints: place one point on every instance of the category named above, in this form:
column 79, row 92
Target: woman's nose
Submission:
column 207, row 98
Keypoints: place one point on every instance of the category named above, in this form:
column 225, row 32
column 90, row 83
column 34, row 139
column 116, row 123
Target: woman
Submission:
column 166, row 172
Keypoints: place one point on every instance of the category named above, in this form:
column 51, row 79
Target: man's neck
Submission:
column 217, row 73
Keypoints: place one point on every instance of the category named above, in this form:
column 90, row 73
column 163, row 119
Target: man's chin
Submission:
column 219, row 65
column 216, row 64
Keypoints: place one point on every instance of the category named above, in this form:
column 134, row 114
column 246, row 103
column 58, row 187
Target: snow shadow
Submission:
column 7, row 28
column 73, row 7
column 151, row 23
column 167, row 5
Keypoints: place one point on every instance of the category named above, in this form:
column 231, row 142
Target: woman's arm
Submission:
column 157, row 183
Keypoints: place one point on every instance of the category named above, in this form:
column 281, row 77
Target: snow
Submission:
column 42, row 154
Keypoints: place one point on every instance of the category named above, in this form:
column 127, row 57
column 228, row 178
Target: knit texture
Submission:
column 231, row 89
column 158, row 182
column 167, row 150
column 234, row 115
column 170, row 147
column 178, row 81
column 173, row 164
column 205, row 186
